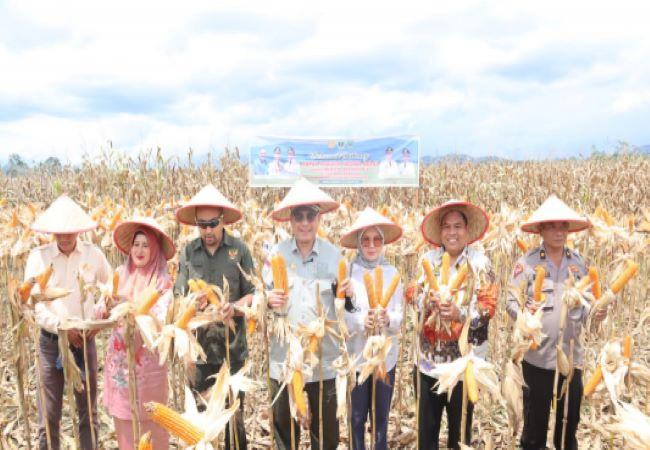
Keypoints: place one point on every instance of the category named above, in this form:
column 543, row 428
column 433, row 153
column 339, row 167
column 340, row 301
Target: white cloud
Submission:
column 511, row 78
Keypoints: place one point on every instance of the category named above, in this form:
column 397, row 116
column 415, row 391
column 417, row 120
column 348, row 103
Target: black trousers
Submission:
column 362, row 411
column 282, row 416
column 537, row 408
column 430, row 414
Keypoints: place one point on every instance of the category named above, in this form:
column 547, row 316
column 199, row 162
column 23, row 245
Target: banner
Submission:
column 386, row 161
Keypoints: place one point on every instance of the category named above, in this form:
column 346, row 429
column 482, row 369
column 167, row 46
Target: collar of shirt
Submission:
column 296, row 251
column 439, row 251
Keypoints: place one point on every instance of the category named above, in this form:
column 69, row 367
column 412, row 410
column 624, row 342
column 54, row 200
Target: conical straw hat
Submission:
column 124, row 232
column 477, row 221
column 209, row 197
column 371, row 218
column 555, row 210
column 303, row 193
column 63, row 216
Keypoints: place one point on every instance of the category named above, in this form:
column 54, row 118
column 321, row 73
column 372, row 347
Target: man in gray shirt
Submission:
column 554, row 220
column 311, row 265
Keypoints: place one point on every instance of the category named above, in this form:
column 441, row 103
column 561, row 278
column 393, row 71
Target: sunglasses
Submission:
column 301, row 216
column 366, row 241
column 212, row 223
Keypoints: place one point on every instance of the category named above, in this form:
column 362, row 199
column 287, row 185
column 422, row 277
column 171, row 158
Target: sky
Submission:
column 508, row 78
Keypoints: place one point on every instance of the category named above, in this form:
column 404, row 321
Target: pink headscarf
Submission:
column 135, row 279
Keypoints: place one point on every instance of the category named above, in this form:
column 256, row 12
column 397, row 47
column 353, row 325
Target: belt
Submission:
column 48, row 335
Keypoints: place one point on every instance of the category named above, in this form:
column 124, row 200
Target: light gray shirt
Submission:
column 317, row 271
column 553, row 288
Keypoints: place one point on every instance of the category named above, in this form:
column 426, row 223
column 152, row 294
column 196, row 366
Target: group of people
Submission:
column 277, row 167
column 389, row 168
column 312, row 269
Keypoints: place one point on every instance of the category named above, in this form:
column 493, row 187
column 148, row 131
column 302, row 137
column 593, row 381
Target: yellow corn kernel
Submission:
column 283, row 275
column 145, row 305
column 595, row 282
column 431, row 277
column 522, row 245
column 251, row 325
column 174, row 423
column 594, row 381
column 379, row 283
column 622, row 280
column 627, row 346
column 145, row 442
column 297, row 384
column 116, row 283
column 459, row 278
column 25, row 289
column 370, row 290
column 540, row 273
column 342, row 275
column 390, row 291
column 185, row 318
column 193, row 285
column 444, row 269
column 470, row 381
column 44, row 277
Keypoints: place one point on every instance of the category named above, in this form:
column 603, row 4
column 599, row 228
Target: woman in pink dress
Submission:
column 147, row 248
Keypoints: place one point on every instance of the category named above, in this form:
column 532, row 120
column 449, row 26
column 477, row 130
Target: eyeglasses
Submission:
column 301, row 216
column 212, row 223
column 366, row 241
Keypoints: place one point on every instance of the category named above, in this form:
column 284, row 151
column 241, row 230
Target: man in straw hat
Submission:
column 451, row 228
column 311, row 264
column 216, row 254
column 67, row 254
column 554, row 220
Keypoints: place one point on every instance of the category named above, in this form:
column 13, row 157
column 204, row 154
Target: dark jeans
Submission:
column 201, row 383
column 53, row 383
column 362, row 411
column 537, row 408
column 430, row 414
column 282, row 416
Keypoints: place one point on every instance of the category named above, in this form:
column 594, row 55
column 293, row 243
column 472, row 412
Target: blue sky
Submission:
column 509, row 78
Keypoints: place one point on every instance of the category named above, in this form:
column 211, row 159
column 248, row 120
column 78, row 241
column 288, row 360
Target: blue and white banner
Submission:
column 386, row 161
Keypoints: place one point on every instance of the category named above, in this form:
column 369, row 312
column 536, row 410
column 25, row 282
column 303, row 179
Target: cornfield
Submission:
column 613, row 192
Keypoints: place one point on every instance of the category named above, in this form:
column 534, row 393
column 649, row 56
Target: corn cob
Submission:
column 444, row 269
column 44, row 277
column 321, row 233
column 13, row 223
column 184, row 319
column 342, row 274
column 25, row 289
column 145, row 442
column 390, row 291
column 116, row 283
column 470, row 380
column 193, row 286
column 459, row 278
column 522, row 245
column 379, row 283
column 595, row 282
column 540, row 273
column 297, row 384
column 251, row 325
column 622, row 280
column 277, row 276
column 283, row 275
column 174, row 423
column 370, row 290
column 627, row 346
column 594, row 381
column 431, row 278
column 114, row 220
column 145, row 305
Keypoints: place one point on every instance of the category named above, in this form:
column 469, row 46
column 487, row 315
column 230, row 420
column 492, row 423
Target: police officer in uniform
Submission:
column 554, row 220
